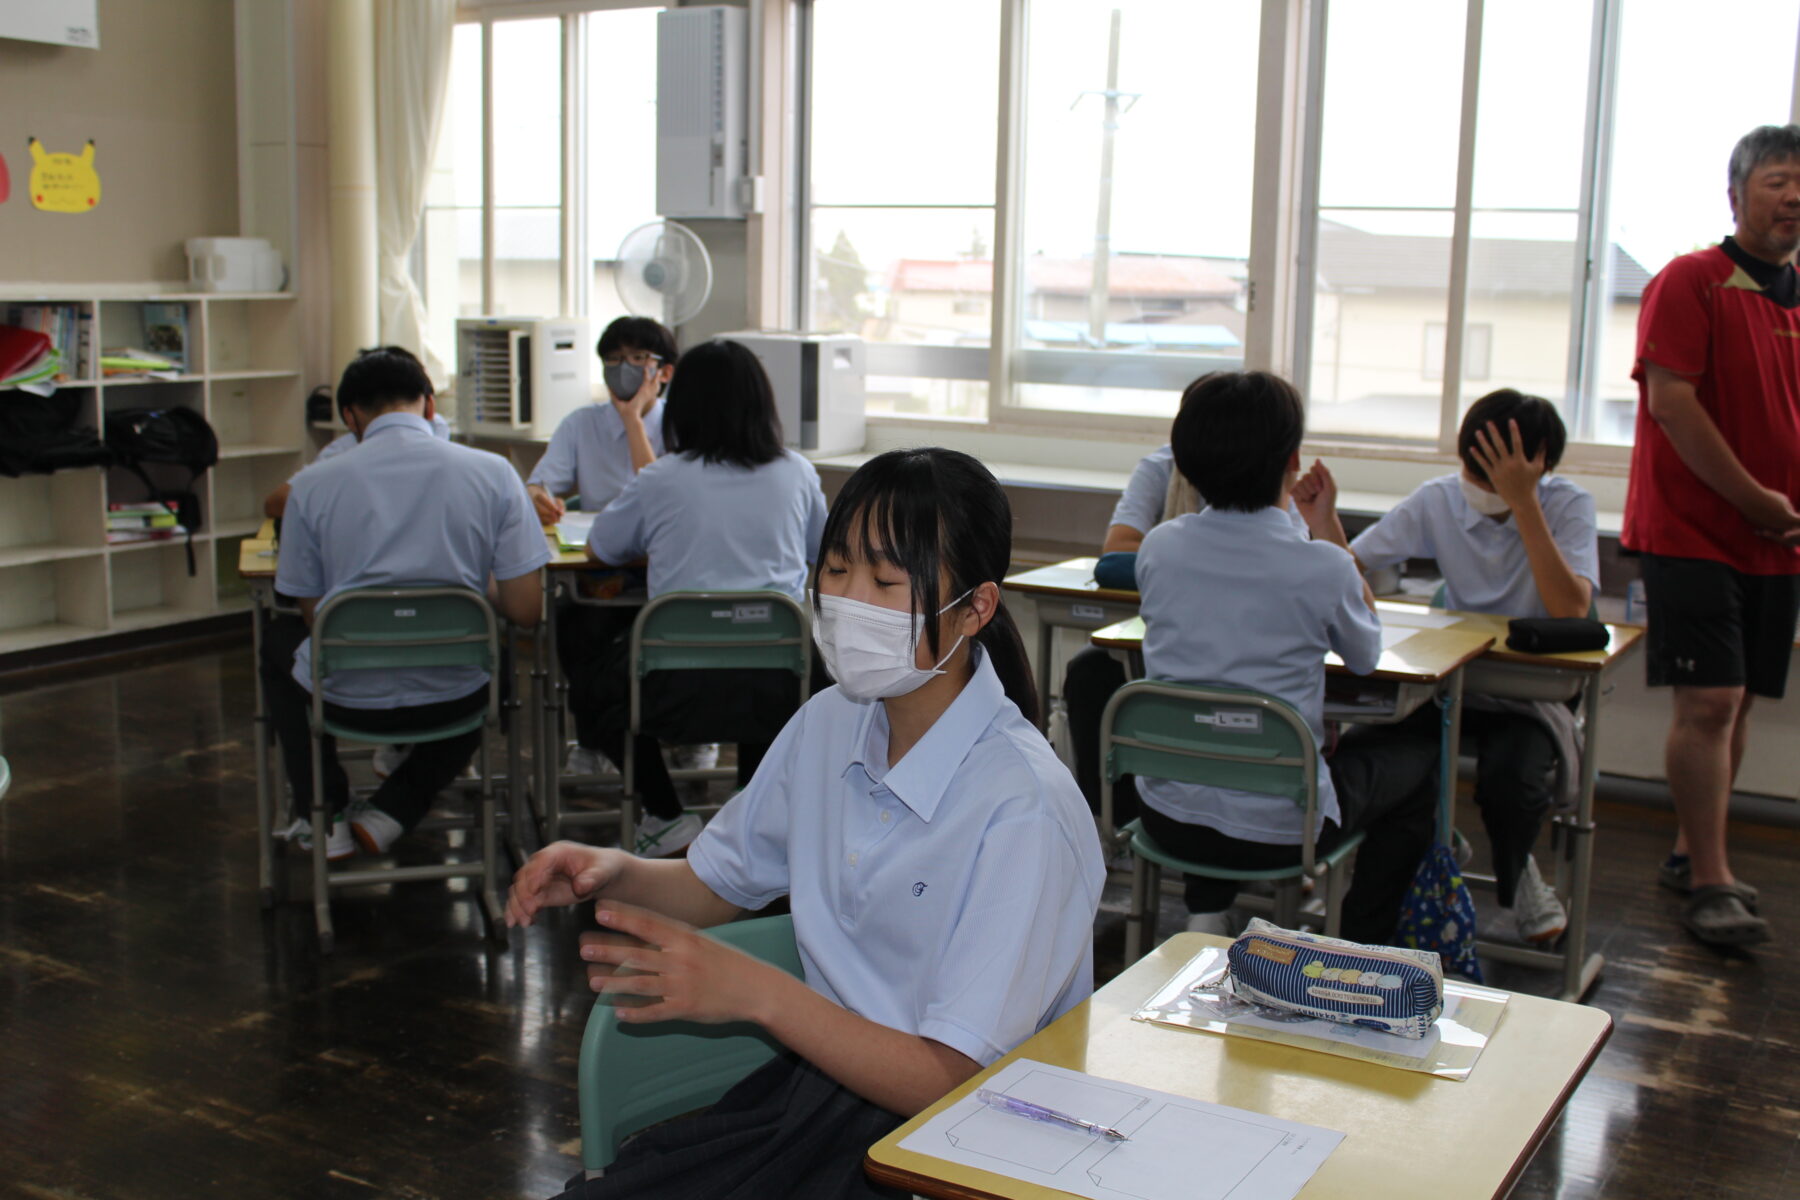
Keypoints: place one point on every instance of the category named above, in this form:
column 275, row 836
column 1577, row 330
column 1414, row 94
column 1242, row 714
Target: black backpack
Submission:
column 175, row 435
column 41, row 434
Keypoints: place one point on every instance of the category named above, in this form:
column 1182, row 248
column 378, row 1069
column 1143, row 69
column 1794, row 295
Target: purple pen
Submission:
column 1037, row 1112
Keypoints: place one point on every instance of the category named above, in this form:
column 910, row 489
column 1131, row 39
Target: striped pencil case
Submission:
column 1380, row 987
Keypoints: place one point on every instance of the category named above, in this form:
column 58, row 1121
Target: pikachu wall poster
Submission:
column 65, row 183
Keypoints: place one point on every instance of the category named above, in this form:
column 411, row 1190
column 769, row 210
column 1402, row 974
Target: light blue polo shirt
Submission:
column 951, row 896
column 715, row 526
column 406, row 510
column 1244, row 600
column 1483, row 561
column 589, row 454
column 346, row 441
column 1140, row 505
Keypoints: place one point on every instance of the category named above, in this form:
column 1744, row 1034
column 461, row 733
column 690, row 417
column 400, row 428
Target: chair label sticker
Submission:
column 747, row 613
column 1087, row 612
column 1242, row 721
column 406, row 612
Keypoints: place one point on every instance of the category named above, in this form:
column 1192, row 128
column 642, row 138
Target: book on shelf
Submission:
column 161, row 520
column 116, row 537
column 128, row 362
column 69, row 328
column 166, row 331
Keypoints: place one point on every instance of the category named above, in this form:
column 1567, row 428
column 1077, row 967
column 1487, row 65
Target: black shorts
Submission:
column 1713, row 626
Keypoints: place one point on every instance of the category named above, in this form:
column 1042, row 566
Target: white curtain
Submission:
column 412, row 71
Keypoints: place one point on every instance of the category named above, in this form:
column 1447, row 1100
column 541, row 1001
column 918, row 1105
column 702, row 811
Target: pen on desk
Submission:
column 1037, row 1112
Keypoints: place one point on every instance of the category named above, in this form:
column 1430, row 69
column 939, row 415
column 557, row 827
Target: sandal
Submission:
column 1679, row 877
column 1718, row 916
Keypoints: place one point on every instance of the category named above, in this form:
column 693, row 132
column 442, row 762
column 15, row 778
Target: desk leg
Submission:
column 1581, row 969
column 1046, row 649
column 260, row 725
column 552, row 739
column 1447, row 755
column 516, row 790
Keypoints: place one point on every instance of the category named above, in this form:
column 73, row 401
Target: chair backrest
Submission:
column 632, row 1076
column 1222, row 737
column 688, row 631
column 387, row 629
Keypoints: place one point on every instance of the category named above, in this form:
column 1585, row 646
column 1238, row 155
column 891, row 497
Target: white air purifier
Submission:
column 819, row 387
column 518, row 377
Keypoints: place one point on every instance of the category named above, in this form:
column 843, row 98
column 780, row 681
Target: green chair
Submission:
column 1223, row 737
column 710, row 631
column 391, row 629
column 633, row 1076
column 5, row 778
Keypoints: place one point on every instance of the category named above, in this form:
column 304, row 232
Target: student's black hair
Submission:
column 1539, row 425
column 721, row 407
column 935, row 514
column 382, row 378
column 637, row 333
column 1235, row 435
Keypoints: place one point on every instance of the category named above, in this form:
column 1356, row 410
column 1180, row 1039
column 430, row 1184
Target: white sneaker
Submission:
column 694, row 758
column 1214, row 922
column 1539, row 913
column 659, row 838
column 339, row 846
column 374, row 830
column 582, row 761
column 387, row 759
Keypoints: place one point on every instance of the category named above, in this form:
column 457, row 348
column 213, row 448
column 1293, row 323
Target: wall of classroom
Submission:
column 159, row 100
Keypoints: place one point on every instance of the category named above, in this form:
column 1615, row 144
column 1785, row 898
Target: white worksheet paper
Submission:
column 1177, row 1148
column 573, row 529
column 1421, row 618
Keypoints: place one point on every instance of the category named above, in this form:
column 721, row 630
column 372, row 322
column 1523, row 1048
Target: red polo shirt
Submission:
column 1731, row 324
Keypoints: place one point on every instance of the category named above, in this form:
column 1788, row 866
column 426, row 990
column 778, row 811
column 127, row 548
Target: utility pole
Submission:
column 1098, row 291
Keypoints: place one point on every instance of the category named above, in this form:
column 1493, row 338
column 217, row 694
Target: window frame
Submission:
column 1283, row 248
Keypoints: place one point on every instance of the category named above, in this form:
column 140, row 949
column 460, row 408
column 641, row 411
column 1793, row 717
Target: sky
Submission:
column 906, row 96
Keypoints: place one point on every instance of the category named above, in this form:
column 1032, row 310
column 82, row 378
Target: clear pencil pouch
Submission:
column 1381, row 987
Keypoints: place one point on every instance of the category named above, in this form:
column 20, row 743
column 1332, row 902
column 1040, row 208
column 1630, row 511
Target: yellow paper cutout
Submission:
column 64, row 183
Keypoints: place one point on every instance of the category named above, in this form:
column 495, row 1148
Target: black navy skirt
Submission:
column 788, row 1130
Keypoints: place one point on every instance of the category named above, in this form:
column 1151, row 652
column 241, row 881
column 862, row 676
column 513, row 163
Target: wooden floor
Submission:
column 163, row 1036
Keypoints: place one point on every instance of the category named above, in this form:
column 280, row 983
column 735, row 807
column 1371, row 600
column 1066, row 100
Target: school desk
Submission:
column 257, row 563
column 1409, row 1136
column 1065, row 596
column 1513, row 675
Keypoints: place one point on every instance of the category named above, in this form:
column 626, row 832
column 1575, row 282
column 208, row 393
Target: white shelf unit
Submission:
column 59, row 579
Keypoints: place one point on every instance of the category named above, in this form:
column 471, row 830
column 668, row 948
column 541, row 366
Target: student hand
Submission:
column 686, row 975
column 550, row 510
column 1502, row 456
column 1316, row 490
column 560, row 874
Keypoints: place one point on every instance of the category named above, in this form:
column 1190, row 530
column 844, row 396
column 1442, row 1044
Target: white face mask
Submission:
column 869, row 649
column 1488, row 504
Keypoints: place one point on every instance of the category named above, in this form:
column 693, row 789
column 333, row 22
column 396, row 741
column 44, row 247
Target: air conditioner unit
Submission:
column 819, row 387
column 701, row 57
column 518, row 377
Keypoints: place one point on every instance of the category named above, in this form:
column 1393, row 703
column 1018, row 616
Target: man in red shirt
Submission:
column 1711, row 507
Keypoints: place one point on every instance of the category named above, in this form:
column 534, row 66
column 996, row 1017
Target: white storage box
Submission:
column 234, row 264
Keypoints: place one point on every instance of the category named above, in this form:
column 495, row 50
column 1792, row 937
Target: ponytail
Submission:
column 1006, row 650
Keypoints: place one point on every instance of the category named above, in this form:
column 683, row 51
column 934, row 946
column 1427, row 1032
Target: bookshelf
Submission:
column 59, row 579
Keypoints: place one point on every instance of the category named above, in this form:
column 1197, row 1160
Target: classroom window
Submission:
column 1478, row 342
column 1135, row 201
column 563, row 114
column 900, row 221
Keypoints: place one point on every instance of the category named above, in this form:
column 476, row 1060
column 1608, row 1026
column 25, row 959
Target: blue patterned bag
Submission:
column 1439, row 915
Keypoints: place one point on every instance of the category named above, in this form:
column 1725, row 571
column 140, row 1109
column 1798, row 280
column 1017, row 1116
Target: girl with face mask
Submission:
column 942, row 869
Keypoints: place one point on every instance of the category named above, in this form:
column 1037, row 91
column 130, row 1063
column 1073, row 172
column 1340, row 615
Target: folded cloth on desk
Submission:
column 1388, row 988
column 1117, row 570
column 1555, row 635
